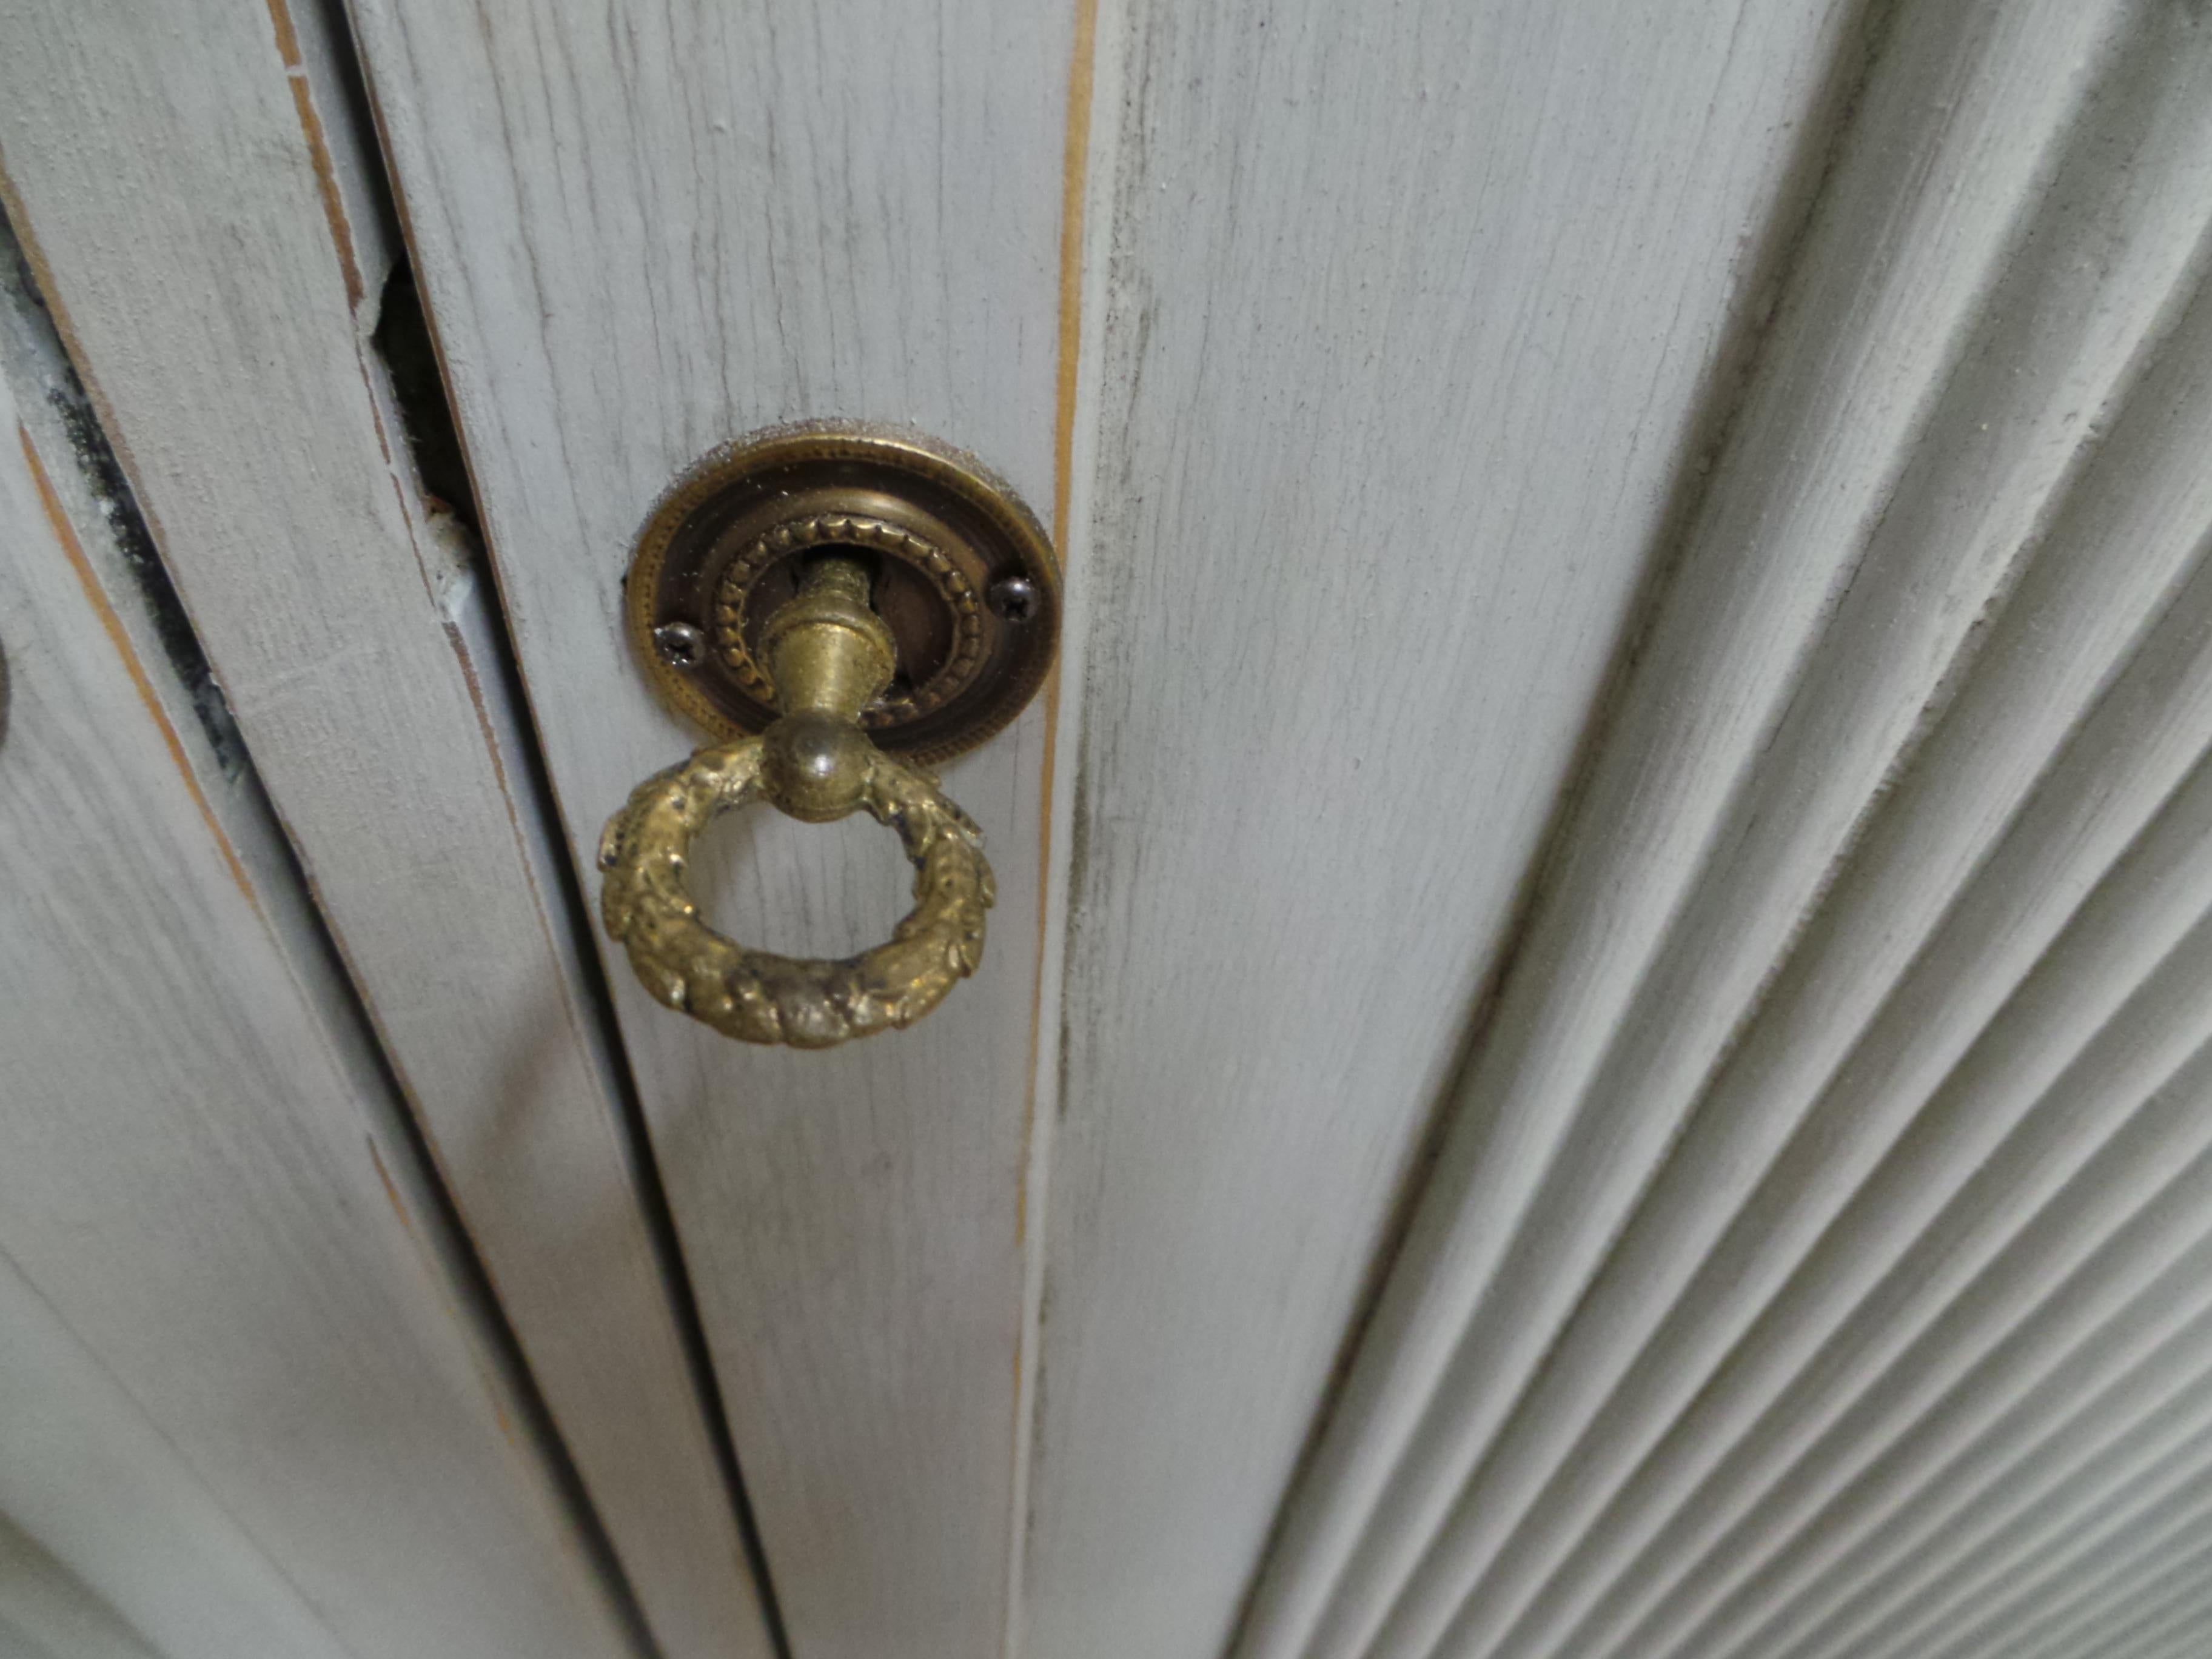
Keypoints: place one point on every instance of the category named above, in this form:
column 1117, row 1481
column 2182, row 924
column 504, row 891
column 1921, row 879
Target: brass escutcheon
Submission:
column 838, row 604
column 960, row 570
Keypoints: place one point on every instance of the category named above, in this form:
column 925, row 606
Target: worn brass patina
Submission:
column 810, row 592
column 963, row 574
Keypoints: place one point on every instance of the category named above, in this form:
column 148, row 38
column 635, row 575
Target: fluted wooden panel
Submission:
column 1816, row 1263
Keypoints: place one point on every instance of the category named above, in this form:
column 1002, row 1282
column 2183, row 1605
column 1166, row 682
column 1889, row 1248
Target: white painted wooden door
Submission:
column 1593, row 1045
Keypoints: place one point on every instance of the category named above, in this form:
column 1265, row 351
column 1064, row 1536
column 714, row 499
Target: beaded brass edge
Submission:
column 851, row 530
column 974, row 485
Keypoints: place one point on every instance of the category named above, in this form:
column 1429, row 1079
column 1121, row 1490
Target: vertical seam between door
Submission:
column 1074, row 184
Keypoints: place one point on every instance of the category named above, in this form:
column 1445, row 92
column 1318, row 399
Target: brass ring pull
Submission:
column 830, row 656
column 756, row 995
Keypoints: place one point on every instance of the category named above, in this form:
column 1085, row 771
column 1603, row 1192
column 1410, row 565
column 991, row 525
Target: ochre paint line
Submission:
column 1074, row 182
column 1075, row 165
column 65, row 533
column 318, row 152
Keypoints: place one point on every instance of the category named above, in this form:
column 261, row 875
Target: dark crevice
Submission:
column 96, row 459
column 401, row 340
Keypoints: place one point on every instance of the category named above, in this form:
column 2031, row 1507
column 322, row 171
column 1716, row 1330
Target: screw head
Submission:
column 1014, row 598
column 680, row 645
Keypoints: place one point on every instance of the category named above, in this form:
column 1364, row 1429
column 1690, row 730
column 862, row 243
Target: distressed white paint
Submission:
column 164, row 171
column 1815, row 1261
column 1410, row 318
column 228, row 1302
column 639, row 238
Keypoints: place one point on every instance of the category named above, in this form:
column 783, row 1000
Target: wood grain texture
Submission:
column 202, row 202
column 639, row 239
column 1820, row 1160
column 227, row 1288
column 1407, row 319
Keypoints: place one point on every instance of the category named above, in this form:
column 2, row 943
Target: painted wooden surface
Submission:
column 1411, row 320
column 636, row 242
column 203, row 202
column 227, row 1287
column 1815, row 1262
column 1639, row 598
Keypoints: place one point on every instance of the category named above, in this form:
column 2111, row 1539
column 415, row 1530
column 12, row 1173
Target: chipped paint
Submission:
column 311, row 128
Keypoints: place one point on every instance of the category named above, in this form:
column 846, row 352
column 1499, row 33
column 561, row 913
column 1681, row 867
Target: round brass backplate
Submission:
column 964, row 575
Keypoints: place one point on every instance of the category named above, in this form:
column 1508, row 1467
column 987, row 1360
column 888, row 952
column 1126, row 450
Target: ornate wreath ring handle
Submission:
column 756, row 995
column 830, row 655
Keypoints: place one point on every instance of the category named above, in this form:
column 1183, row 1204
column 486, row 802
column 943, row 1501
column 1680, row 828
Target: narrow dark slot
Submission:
column 96, row 459
column 402, row 341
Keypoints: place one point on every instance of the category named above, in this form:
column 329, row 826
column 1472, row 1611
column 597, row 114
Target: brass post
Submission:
column 831, row 656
